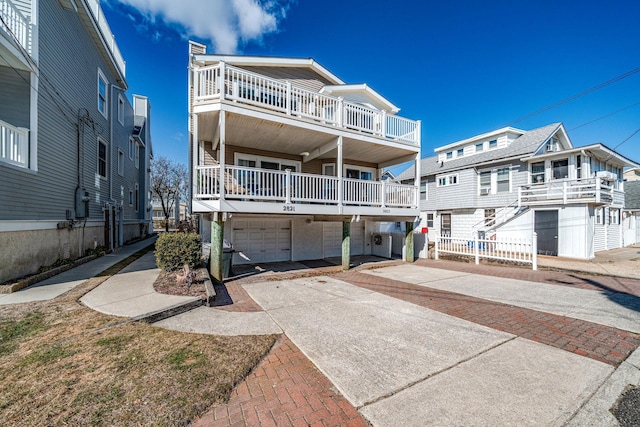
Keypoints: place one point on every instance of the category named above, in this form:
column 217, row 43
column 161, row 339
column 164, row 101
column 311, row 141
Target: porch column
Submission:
column 193, row 156
column 339, row 175
column 417, row 178
column 346, row 244
column 215, row 255
column 408, row 242
column 222, row 122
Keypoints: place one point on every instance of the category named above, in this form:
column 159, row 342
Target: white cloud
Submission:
column 228, row 24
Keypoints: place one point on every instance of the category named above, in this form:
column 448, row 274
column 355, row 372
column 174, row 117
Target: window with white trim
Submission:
column 479, row 147
column 485, row 182
column 429, row 220
column 446, row 180
column 130, row 197
column 537, row 173
column 493, row 144
column 598, row 216
column 423, row 189
column 449, row 154
column 121, row 110
column 136, row 152
column 132, row 147
column 503, row 180
column 560, row 169
column 102, row 158
column 120, row 162
column 614, row 216
column 102, row 93
column 460, row 152
column 137, row 197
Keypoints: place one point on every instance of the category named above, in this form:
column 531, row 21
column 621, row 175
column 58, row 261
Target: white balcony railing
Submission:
column 14, row 145
column 227, row 82
column 110, row 40
column 15, row 23
column 591, row 190
column 263, row 185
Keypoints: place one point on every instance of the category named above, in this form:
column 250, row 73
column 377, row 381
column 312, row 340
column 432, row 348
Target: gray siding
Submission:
column 14, row 97
column 68, row 62
column 302, row 77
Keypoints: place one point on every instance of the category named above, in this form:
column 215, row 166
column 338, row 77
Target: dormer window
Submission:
column 553, row 145
column 460, row 152
column 450, row 155
column 479, row 147
column 493, row 144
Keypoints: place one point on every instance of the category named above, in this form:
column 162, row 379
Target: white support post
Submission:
column 383, row 197
column 519, row 197
column 194, row 159
column 598, row 190
column 437, row 246
column 340, row 178
column 416, row 181
column 534, row 251
column 476, row 248
column 289, row 98
column 340, row 112
column 564, row 192
column 222, row 123
column 383, row 124
column 221, row 80
column 288, row 186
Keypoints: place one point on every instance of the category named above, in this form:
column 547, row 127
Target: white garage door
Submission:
column 332, row 238
column 261, row 241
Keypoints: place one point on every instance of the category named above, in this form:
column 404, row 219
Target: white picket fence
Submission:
column 506, row 249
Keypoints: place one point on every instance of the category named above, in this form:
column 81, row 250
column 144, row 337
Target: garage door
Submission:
column 332, row 238
column 261, row 241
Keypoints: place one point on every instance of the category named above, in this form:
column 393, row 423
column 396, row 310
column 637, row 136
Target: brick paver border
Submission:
column 599, row 342
column 285, row 389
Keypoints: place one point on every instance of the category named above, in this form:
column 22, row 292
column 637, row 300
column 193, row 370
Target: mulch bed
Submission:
column 167, row 283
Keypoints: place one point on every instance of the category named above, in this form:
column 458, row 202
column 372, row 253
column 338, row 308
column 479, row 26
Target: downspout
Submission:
column 111, row 199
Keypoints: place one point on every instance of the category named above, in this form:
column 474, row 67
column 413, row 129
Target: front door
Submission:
column 445, row 225
column 546, row 227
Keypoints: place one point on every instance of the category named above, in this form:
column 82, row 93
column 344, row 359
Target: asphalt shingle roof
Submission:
column 632, row 195
column 527, row 143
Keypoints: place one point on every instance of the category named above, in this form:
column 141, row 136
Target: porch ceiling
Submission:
column 267, row 135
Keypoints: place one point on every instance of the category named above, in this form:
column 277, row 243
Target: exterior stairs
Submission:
column 484, row 228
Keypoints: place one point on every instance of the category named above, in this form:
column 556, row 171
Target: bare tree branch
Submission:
column 168, row 184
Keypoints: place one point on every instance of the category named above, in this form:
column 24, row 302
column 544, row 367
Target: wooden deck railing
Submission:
column 590, row 190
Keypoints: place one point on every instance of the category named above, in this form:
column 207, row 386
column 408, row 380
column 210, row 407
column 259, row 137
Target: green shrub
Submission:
column 174, row 250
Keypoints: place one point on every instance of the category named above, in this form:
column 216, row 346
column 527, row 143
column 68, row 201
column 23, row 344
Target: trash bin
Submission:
column 227, row 258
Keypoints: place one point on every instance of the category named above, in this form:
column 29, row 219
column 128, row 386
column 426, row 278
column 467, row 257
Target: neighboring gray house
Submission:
column 511, row 182
column 631, row 221
column 74, row 152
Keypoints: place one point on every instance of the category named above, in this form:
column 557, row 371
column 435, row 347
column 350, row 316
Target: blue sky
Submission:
column 462, row 67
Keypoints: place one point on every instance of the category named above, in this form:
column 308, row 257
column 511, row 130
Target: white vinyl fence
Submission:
column 507, row 249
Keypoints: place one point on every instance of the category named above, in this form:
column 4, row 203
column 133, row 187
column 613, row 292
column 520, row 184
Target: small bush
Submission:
column 174, row 250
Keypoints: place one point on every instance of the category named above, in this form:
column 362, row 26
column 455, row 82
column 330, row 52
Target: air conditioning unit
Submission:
column 606, row 175
column 484, row 191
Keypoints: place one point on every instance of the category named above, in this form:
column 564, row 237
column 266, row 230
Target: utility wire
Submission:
column 605, row 116
column 628, row 138
column 576, row 96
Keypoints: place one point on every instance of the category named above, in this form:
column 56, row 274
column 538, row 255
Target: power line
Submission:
column 576, row 96
column 605, row 116
column 628, row 138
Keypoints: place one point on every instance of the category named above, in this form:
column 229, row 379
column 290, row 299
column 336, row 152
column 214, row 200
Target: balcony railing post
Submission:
column 288, row 186
column 598, row 189
column 383, row 197
column 221, row 80
column 340, row 117
column 383, row 123
column 288, row 98
column 564, row 192
column 534, row 250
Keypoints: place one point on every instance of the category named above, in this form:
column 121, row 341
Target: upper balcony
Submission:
column 591, row 190
column 221, row 82
column 16, row 25
column 108, row 37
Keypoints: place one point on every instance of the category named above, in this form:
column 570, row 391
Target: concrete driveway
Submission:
column 403, row 364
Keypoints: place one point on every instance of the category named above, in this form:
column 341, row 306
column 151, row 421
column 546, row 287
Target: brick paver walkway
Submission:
column 599, row 342
column 285, row 389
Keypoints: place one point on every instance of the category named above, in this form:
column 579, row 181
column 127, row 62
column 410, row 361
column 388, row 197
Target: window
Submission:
column 485, row 182
column 493, row 144
column 423, row 189
column 560, row 169
column 598, row 215
column 136, row 198
column 102, row 158
column 398, row 226
column 447, row 180
column 445, row 224
column 537, row 173
column 429, row 220
column 489, row 216
column 136, row 151
column 450, row 155
column 503, row 180
column 102, row 93
column 578, row 166
column 479, row 147
column 120, row 162
column 460, row 152
column 132, row 146
column 329, row 169
column 614, row 216
column 121, row 110
column 130, row 197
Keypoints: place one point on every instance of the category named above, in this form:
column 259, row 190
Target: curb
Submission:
column 173, row 310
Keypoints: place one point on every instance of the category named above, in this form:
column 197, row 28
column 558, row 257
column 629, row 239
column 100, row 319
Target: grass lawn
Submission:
column 64, row 364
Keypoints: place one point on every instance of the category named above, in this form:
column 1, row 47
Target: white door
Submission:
column 357, row 238
column 261, row 241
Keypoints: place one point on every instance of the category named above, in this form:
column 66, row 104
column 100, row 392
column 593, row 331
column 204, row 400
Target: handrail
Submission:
column 255, row 89
column 107, row 34
column 15, row 23
column 14, row 144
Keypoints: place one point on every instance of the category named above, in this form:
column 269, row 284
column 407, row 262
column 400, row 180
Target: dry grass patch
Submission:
column 64, row 364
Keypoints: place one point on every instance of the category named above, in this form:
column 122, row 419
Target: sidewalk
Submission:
column 63, row 282
column 621, row 262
